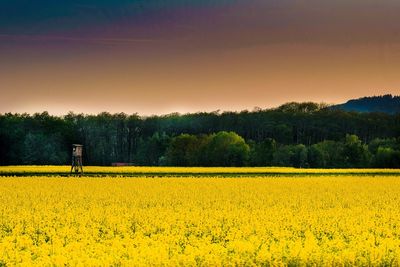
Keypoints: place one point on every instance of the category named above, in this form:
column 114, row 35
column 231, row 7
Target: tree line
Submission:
column 229, row 149
column 294, row 134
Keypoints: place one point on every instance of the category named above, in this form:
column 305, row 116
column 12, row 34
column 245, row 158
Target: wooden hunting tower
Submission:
column 76, row 165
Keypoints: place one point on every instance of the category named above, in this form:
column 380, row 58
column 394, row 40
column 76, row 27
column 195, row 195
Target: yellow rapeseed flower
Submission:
column 203, row 221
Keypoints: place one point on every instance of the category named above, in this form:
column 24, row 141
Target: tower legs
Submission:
column 76, row 165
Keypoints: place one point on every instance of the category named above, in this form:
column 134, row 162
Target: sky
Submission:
column 158, row 57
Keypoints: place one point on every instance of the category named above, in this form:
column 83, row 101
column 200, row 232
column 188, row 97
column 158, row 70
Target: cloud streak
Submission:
column 24, row 38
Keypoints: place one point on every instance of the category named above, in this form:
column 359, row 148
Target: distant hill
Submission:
column 385, row 104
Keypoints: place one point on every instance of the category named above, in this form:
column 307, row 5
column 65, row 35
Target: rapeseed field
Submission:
column 17, row 170
column 200, row 221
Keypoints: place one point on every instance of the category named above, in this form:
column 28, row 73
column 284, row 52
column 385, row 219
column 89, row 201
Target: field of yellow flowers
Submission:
column 187, row 171
column 321, row 220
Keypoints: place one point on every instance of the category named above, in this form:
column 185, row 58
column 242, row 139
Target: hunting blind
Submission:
column 76, row 165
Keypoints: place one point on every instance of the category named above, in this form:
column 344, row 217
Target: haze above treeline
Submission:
column 385, row 103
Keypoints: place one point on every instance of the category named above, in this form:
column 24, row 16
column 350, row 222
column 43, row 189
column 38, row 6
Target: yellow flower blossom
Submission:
column 318, row 220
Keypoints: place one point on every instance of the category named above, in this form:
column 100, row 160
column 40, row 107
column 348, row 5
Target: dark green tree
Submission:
column 40, row 149
column 261, row 154
column 291, row 155
column 387, row 158
column 355, row 154
column 151, row 150
column 183, row 151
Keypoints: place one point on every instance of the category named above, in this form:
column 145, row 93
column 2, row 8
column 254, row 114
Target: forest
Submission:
column 306, row 135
